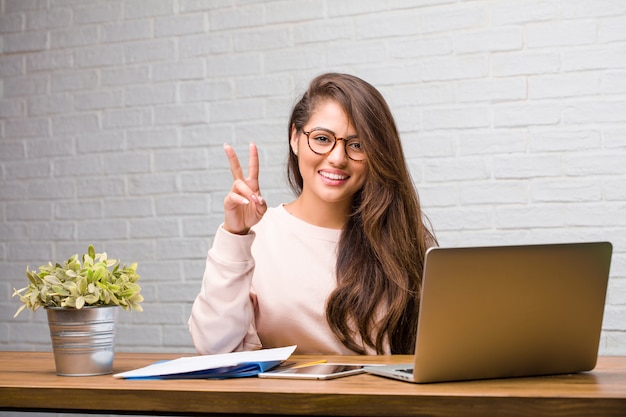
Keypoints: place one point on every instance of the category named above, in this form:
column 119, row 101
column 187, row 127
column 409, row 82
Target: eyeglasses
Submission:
column 322, row 142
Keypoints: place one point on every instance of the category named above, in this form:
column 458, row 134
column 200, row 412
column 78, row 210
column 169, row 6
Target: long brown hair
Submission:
column 382, row 247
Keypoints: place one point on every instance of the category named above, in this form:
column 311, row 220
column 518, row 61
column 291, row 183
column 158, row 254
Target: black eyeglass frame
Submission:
column 345, row 141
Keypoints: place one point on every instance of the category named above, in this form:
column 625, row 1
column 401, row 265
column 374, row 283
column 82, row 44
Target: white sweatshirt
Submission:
column 268, row 289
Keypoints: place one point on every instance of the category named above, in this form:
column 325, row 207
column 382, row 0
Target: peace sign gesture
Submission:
column 243, row 206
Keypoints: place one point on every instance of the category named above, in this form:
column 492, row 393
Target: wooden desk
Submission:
column 28, row 382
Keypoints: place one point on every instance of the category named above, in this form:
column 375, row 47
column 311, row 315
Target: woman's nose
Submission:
column 338, row 155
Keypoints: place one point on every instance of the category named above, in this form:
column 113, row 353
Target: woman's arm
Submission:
column 222, row 316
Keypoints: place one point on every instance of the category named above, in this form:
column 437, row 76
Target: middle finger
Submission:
column 253, row 162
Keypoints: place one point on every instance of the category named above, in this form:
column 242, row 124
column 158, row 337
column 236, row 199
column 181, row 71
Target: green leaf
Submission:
column 32, row 277
column 19, row 310
column 72, row 288
column 82, row 284
column 100, row 274
column 87, row 261
column 68, row 302
column 51, row 280
column 91, row 299
column 60, row 290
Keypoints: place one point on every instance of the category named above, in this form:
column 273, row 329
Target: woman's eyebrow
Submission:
column 330, row 131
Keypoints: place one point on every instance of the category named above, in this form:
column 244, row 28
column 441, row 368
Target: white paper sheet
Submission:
column 207, row 362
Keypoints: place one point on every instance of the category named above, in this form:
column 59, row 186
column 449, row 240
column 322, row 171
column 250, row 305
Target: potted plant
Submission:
column 81, row 300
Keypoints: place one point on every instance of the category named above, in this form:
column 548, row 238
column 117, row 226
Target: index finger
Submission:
column 235, row 166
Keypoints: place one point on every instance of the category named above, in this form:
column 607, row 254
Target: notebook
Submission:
column 508, row 311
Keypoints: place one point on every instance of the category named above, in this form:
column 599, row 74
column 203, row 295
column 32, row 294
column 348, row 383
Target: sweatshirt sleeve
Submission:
column 222, row 315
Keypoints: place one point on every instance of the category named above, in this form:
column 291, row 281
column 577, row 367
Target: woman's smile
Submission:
column 333, row 177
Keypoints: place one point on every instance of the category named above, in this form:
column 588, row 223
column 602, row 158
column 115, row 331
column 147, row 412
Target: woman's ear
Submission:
column 294, row 140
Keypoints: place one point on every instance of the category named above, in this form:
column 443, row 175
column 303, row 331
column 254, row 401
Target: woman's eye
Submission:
column 355, row 146
column 323, row 140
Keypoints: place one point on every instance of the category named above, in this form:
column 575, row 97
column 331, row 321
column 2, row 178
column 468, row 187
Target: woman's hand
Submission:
column 243, row 206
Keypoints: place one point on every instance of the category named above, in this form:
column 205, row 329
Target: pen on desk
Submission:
column 309, row 363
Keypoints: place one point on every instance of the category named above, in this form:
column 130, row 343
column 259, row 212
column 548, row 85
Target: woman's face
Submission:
column 333, row 178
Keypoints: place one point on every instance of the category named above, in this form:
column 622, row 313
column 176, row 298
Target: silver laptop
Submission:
column 508, row 311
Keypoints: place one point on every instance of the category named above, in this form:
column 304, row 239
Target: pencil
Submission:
column 309, row 364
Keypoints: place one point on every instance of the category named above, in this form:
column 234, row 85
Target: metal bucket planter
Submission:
column 83, row 340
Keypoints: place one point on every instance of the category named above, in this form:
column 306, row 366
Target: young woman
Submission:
column 336, row 271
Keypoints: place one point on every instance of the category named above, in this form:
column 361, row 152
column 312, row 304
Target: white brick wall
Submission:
column 113, row 114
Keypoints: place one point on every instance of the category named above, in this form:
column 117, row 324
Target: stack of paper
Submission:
column 228, row 365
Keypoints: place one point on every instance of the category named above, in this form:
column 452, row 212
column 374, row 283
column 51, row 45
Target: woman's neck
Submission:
column 319, row 213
